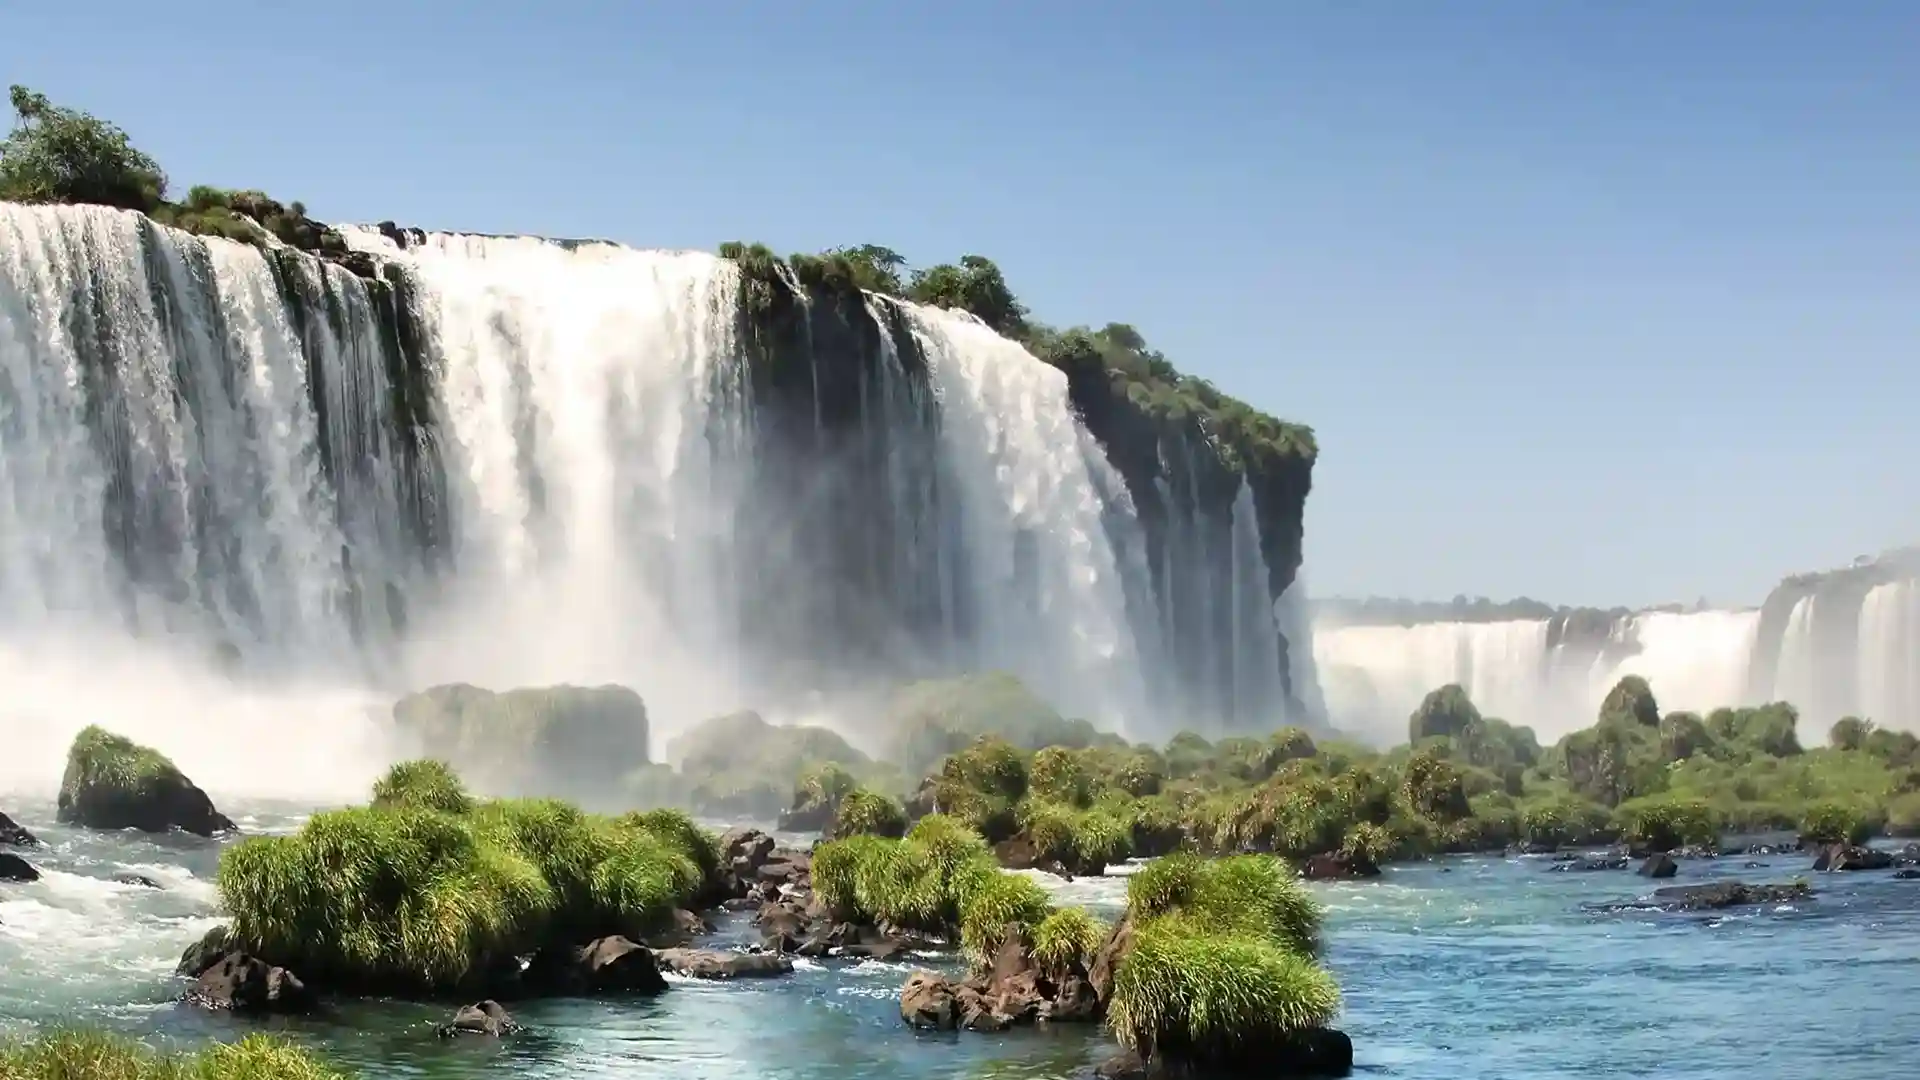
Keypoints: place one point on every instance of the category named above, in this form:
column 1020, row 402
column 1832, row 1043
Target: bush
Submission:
column 1834, row 823
column 1066, row 937
column 1057, row 775
column 1222, row 963
column 867, row 812
column 1445, row 712
column 1563, row 822
column 422, row 785
column 90, row 1055
column 62, row 155
column 1667, row 823
column 1903, row 815
column 997, row 907
column 101, row 760
column 1191, row 995
column 1368, row 843
column 410, row 899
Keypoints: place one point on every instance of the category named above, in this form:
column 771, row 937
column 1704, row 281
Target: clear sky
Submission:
column 1595, row 302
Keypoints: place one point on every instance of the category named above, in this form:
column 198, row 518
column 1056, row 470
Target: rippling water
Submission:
column 1470, row 967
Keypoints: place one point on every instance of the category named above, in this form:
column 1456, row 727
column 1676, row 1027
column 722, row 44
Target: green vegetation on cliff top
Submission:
column 61, row 155
column 1115, row 354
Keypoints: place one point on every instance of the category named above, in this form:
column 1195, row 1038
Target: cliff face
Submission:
column 1213, row 519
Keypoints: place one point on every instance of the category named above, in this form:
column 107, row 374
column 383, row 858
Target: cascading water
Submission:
column 1044, row 581
column 173, row 437
column 240, row 481
column 1889, row 675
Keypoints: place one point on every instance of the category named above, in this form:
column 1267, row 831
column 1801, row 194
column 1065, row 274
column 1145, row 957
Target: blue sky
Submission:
column 1594, row 302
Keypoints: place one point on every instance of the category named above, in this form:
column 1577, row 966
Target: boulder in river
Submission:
column 608, row 965
column 112, row 782
column 1586, row 864
column 1716, row 894
column 244, row 983
column 717, row 964
column 1838, row 857
column 1339, row 866
column 488, row 1018
column 141, row 880
column 16, row 835
column 1013, row 991
column 15, row 868
column 1659, row 866
column 204, row 953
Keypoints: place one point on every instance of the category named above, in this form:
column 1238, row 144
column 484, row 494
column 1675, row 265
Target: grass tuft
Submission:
column 93, row 1055
column 425, row 784
column 1067, row 936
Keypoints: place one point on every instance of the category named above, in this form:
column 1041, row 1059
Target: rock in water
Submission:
column 113, row 783
column 1340, row 866
column 243, row 983
column 203, row 954
column 1307, row 1052
column 714, row 964
column 16, row 835
column 1659, row 866
column 141, row 880
column 1840, row 857
column 15, row 868
column 487, row 1018
column 530, row 741
column 608, row 965
column 1715, row 895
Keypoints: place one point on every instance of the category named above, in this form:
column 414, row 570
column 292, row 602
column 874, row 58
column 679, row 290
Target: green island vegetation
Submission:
column 1114, row 360
column 1057, row 793
column 56, row 154
column 93, row 1055
column 1223, row 967
column 428, row 890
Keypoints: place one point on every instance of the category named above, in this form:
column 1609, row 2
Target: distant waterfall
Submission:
column 1846, row 644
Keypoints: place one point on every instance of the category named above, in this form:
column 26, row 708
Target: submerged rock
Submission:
column 1838, row 857
column 1659, row 866
column 1586, row 864
column 243, row 983
column 1715, row 895
column 1339, row 866
column 1906, row 874
column 715, row 964
column 114, row 783
column 16, row 835
column 204, row 953
column 15, row 868
column 488, row 1018
column 609, row 965
column 1012, row 992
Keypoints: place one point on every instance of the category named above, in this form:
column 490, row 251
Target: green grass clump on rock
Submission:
column 92, row 1055
column 1223, row 960
column 1834, row 823
column 422, row 785
column 1066, row 936
column 101, row 759
column 864, row 812
column 406, row 897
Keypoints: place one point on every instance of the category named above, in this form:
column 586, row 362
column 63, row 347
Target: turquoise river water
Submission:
column 1483, row 967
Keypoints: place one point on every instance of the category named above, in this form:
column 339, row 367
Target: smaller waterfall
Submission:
column 1889, row 658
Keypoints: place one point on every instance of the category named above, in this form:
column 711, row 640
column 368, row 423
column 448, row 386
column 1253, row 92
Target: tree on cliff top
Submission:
column 976, row 285
column 56, row 154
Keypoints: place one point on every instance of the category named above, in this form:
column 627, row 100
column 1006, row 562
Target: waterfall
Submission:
column 1889, row 660
column 1043, row 575
column 176, row 431
column 247, row 496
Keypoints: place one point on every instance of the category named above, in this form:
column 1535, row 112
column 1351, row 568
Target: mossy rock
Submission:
column 741, row 766
column 929, row 720
column 112, row 782
column 583, row 741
